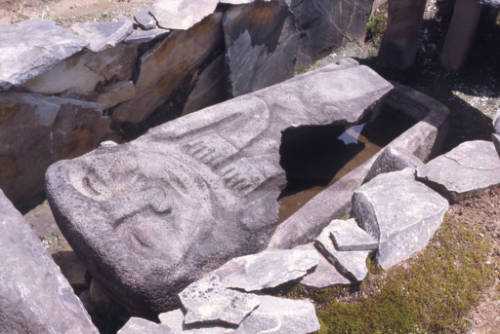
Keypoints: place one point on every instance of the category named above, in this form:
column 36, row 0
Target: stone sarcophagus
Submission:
column 151, row 216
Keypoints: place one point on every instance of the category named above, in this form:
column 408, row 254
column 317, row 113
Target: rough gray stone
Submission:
column 175, row 321
column 207, row 182
column 267, row 269
column 324, row 275
column 351, row 264
column 325, row 25
column 207, row 300
column 142, row 326
column 116, row 93
column 34, row 295
column 36, row 130
column 496, row 122
column 165, row 67
column 104, row 35
column 348, row 236
column 470, row 167
column 144, row 18
column 145, row 36
column 496, row 141
column 391, row 160
column 261, row 45
column 280, row 315
column 30, row 48
column 401, row 213
column 181, row 14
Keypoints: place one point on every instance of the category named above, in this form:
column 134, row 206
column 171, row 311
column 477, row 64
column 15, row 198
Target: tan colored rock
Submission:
column 164, row 68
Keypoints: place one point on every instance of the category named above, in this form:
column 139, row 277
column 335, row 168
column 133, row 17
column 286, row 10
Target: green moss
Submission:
column 431, row 293
column 376, row 26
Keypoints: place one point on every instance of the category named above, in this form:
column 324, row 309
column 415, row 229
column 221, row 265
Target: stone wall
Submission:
column 63, row 91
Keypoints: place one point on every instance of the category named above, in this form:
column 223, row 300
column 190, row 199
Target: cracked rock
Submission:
column 351, row 264
column 401, row 213
column 470, row 167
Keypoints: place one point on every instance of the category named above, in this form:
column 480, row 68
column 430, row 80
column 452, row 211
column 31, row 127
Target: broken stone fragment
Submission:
column 351, row 264
column 401, row 213
column 104, row 35
column 468, row 168
column 214, row 176
column 348, row 236
column 324, row 274
column 144, row 18
column 34, row 295
column 181, row 14
column 267, row 269
column 496, row 140
column 142, row 326
column 144, row 36
column 261, row 45
column 207, row 300
column 36, row 130
column 30, row 48
column 391, row 160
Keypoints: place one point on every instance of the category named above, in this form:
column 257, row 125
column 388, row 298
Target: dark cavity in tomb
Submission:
column 315, row 157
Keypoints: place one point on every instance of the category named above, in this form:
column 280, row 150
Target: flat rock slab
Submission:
column 391, row 160
column 348, row 236
column 145, row 36
column 496, row 141
column 207, row 300
column 470, row 167
column 30, row 48
column 401, row 213
column 207, row 182
column 104, row 35
column 181, row 14
column 144, row 19
column 142, row 326
column 324, row 274
column 352, row 264
column 175, row 321
column 267, row 269
column 34, row 295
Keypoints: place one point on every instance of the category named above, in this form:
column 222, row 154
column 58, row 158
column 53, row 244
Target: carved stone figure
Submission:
column 150, row 216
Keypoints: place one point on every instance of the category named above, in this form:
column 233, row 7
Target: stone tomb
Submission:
column 151, row 216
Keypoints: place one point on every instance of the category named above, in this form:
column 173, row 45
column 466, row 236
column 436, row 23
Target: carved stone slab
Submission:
column 153, row 215
column 34, row 295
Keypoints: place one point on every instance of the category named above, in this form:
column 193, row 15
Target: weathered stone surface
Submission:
column 324, row 275
column 470, row 167
column 72, row 268
column 145, row 36
column 175, row 321
column 181, row 14
column 115, row 94
column 81, row 75
column 496, row 122
column 261, row 45
column 351, row 264
column 401, row 213
column 325, row 25
column 496, row 141
column 30, row 48
column 348, row 236
column 267, row 269
column 391, row 160
column 144, row 18
column 37, row 130
column 104, row 35
column 164, row 68
column 280, row 315
column 142, row 326
column 210, row 87
column 400, row 43
column 207, row 182
column 207, row 300
column 34, row 295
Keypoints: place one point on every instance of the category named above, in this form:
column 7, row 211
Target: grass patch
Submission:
column 430, row 293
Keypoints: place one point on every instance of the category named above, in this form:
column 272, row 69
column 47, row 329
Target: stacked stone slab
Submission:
column 214, row 176
column 143, row 73
column 34, row 295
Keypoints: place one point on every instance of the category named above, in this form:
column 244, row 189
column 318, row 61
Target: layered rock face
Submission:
column 151, row 216
column 34, row 295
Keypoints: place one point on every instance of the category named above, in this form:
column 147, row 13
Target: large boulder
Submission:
column 468, row 168
column 401, row 213
column 30, row 48
column 150, row 216
column 34, row 295
column 36, row 130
